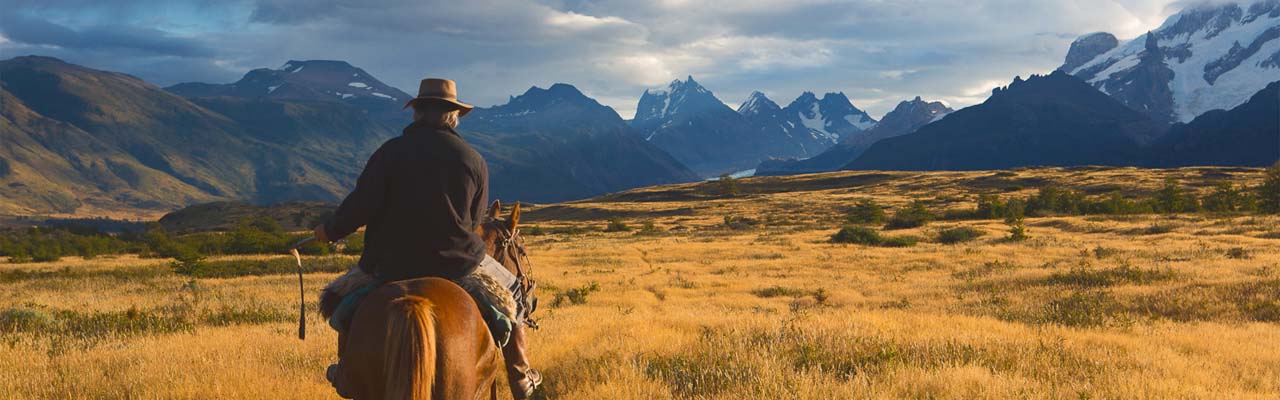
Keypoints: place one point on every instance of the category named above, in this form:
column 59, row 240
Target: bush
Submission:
column 857, row 235
column 728, row 186
column 899, row 241
column 867, row 211
column 912, row 215
column 354, row 244
column 958, row 235
column 648, row 228
column 616, row 225
column 740, row 223
column 576, row 295
column 869, row 237
column 1014, row 217
column 1269, row 191
column 1172, row 199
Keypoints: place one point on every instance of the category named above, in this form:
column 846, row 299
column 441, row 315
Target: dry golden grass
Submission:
column 1088, row 307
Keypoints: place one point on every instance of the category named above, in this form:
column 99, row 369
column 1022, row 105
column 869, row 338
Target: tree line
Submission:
column 260, row 235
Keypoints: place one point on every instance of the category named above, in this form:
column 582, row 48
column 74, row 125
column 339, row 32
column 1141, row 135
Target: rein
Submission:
column 524, row 269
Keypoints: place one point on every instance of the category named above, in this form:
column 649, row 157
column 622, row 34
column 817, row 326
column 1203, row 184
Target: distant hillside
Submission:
column 546, row 145
column 1247, row 135
column 689, row 122
column 1053, row 120
column 312, row 80
column 907, row 117
column 224, row 215
column 557, row 144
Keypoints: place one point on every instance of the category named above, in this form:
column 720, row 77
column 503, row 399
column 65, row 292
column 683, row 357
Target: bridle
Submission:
column 507, row 240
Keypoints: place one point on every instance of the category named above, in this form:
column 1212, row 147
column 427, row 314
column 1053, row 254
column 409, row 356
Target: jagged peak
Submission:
column 757, row 103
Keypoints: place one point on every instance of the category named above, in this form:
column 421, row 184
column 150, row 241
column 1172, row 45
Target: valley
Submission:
column 691, row 291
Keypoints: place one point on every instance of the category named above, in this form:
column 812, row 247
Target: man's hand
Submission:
column 320, row 235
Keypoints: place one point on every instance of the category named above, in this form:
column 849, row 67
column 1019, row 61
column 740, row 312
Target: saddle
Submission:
column 490, row 285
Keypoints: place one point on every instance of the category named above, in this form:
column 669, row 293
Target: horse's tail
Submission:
column 410, row 352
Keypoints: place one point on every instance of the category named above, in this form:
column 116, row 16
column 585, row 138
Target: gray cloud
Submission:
column 877, row 52
column 99, row 37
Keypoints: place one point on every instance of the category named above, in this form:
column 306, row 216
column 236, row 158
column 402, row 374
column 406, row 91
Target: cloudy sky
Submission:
column 878, row 52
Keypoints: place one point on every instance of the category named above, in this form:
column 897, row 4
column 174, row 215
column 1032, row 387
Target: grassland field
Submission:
column 1181, row 306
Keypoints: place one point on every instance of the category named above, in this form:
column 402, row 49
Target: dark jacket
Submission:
column 421, row 197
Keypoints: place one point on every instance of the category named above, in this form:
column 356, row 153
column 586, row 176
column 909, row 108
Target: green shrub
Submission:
column 867, row 211
column 857, row 235
column 781, row 291
column 1269, row 191
column 648, row 228
column 616, row 225
column 576, row 295
column 740, row 223
column 869, row 237
column 354, row 244
column 1172, row 199
column 958, row 235
column 899, row 241
column 912, row 215
column 1014, row 218
column 728, row 186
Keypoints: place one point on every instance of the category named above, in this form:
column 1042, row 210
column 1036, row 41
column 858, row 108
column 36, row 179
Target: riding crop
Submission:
column 302, row 303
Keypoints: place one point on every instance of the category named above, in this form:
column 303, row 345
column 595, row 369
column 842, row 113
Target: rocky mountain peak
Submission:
column 1088, row 47
column 757, row 103
column 1220, row 53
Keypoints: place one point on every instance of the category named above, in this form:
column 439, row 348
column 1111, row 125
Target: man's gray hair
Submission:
column 428, row 109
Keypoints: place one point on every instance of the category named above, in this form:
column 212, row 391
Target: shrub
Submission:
column 1014, row 218
column 740, row 223
column 869, row 237
column 1269, row 191
column 576, row 295
column 780, row 291
column 899, row 241
column 648, row 228
column 958, row 235
column 857, row 235
column 616, row 225
column 912, row 215
column 727, row 185
column 354, row 244
column 1172, row 199
column 867, row 211
column 1237, row 253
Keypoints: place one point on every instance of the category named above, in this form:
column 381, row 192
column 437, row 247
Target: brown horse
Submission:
column 425, row 338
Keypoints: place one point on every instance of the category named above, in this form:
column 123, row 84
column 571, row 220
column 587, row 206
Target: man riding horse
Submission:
column 422, row 199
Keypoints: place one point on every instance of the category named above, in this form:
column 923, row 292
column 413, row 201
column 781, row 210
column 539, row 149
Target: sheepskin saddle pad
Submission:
column 341, row 298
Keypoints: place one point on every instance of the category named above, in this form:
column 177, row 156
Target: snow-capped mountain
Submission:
column 1206, row 57
column 557, row 144
column 323, row 80
column 810, row 134
column 833, row 116
column 688, row 121
column 905, row 118
column 758, row 104
column 1056, row 119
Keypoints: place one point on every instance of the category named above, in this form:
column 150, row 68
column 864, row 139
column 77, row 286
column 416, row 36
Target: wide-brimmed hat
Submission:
column 440, row 89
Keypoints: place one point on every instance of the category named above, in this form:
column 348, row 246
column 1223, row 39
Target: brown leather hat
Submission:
column 440, row 89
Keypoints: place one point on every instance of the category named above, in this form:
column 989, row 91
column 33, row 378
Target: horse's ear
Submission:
column 494, row 209
column 515, row 217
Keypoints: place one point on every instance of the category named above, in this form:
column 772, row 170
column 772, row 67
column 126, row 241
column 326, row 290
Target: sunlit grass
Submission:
column 1087, row 307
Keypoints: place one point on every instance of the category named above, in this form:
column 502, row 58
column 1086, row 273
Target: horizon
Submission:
column 870, row 55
